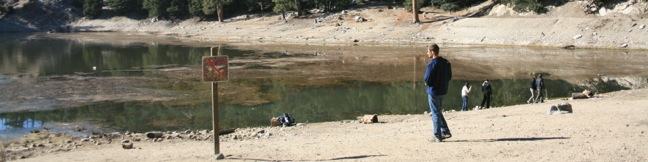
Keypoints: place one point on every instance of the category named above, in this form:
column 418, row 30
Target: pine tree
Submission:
column 215, row 6
column 195, row 8
column 92, row 8
column 177, row 9
column 282, row 6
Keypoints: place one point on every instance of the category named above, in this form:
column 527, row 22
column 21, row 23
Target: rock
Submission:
column 366, row 119
column 562, row 108
column 113, row 135
column 154, row 134
column 85, row 140
column 569, row 47
column 204, row 132
column 356, row 41
column 274, row 121
column 578, row 36
column 359, row 19
column 624, row 45
column 642, row 26
column 127, row 144
column 79, row 128
column 603, row 11
column 583, row 95
column 137, row 139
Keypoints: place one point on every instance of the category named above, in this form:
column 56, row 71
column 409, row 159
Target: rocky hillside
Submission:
column 37, row 15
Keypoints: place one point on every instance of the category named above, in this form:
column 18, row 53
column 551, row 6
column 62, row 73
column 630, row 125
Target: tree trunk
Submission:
column 298, row 6
column 283, row 15
column 415, row 12
column 219, row 12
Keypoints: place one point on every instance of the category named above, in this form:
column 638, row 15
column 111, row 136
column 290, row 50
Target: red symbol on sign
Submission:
column 215, row 68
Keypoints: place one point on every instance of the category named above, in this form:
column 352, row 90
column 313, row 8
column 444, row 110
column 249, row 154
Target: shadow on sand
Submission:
column 511, row 139
column 338, row 158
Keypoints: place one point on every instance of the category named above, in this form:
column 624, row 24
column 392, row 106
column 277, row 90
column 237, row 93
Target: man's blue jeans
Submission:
column 464, row 103
column 439, row 125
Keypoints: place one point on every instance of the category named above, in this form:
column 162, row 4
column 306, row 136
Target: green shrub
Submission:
column 454, row 5
column 123, row 7
column 450, row 7
column 177, row 9
column 155, row 8
column 332, row 5
column 92, row 8
column 408, row 4
column 525, row 5
column 195, row 8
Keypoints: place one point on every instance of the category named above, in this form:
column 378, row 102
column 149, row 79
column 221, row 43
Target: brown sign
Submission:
column 215, row 68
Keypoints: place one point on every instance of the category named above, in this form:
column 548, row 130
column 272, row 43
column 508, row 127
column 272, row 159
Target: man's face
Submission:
column 430, row 53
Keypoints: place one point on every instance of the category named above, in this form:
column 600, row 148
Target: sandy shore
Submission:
column 611, row 127
column 560, row 27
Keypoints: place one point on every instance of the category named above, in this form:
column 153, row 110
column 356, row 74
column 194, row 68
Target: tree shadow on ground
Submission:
column 331, row 159
column 511, row 139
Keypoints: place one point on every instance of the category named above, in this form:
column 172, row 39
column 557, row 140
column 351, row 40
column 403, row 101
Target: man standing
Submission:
column 488, row 92
column 464, row 96
column 533, row 90
column 437, row 77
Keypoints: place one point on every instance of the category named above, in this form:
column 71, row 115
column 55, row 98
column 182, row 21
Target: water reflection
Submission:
column 15, row 125
column 314, row 104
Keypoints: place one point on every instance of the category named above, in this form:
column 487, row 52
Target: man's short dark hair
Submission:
column 434, row 47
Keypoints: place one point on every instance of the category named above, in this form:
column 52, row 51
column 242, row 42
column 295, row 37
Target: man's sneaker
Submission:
column 445, row 136
column 435, row 140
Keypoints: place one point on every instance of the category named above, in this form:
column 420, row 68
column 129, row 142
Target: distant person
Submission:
column 437, row 77
column 539, row 83
column 532, row 89
column 487, row 90
column 464, row 96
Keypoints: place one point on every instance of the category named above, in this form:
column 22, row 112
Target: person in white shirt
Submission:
column 464, row 96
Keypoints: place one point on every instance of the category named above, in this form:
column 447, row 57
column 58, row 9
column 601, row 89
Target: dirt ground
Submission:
column 611, row 127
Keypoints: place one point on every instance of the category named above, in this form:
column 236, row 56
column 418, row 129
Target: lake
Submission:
column 313, row 83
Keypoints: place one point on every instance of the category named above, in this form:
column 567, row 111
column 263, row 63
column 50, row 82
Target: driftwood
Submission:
column 366, row 119
column 479, row 10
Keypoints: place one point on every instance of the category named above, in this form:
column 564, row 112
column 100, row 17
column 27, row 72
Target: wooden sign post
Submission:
column 215, row 69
